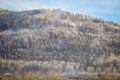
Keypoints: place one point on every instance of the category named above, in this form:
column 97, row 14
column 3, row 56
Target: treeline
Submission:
column 23, row 67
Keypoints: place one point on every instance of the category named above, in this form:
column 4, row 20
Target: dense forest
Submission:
column 55, row 40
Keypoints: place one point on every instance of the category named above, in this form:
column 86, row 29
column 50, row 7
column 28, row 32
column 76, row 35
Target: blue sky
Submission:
column 105, row 9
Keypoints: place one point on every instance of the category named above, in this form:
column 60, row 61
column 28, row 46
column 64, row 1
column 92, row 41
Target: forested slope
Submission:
column 59, row 36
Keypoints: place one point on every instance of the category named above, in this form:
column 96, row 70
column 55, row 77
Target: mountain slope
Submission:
column 47, row 35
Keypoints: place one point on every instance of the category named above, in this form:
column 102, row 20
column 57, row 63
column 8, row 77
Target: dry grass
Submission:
column 110, row 77
column 32, row 76
column 57, row 76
